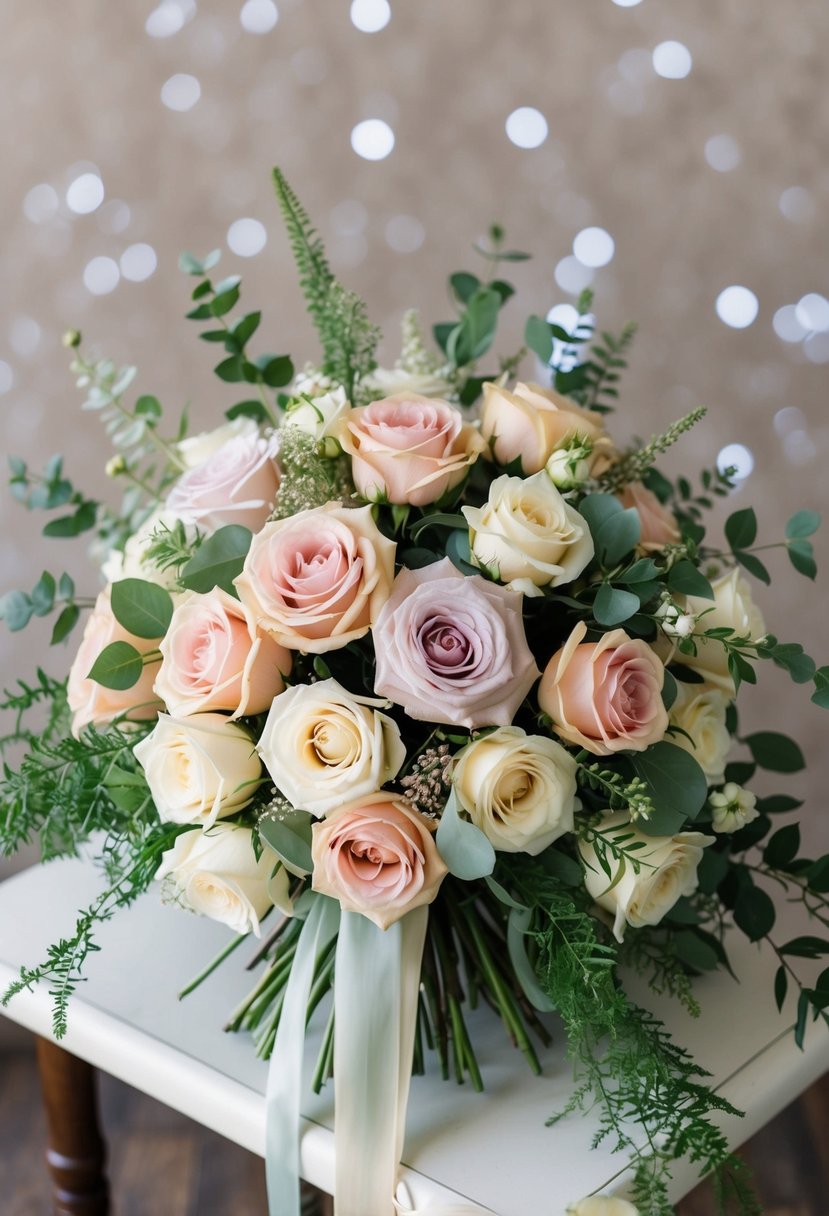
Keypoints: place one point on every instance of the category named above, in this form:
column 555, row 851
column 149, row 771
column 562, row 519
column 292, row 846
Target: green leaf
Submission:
column 43, row 594
column 821, row 694
column 817, row 875
column 465, row 849
column 792, row 657
column 802, row 556
column 72, row 525
column 246, row 327
column 685, row 579
column 754, row 912
column 276, row 370
column 781, row 987
column 218, row 560
column 231, row 369
column 645, row 570
column 190, row 264
column 473, row 336
column 16, row 610
column 754, row 566
column 118, row 666
column 805, row 947
column 741, row 528
column 775, row 752
column 457, row 550
column 464, row 285
column 695, row 952
column 820, row 992
column 441, row 333
column 66, row 622
column 518, row 925
column 148, row 407
column 144, row 609
column 777, row 804
column 290, row 838
column 782, row 846
column 538, row 334
column 670, row 690
column 801, row 524
column 223, row 302
column 676, row 784
column 248, row 409
column 612, row 605
column 802, row 1015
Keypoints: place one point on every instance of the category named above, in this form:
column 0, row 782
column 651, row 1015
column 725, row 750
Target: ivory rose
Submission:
column 533, row 422
column 216, row 874
column 195, row 449
column 318, row 416
column 528, row 535
column 317, row 580
column 89, row 701
column 667, row 870
column 408, row 448
column 199, row 769
column 389, row 381
column 605, row 696
column 699, row 712
column 214, row 658
column 732, row 608
column 322, row 744
column 452, row 649
column 377, row 856
column 519, row 789
column 236, row 484
column 658, row 522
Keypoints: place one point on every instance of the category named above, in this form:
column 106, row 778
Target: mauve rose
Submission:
column 658, row 522
column 214, row 658
column 605, row 696
column 317, row 580
column 377, row 856
column 408, row 448
column 236, row 484
column 89, row 701
column 452, row 648
column 533, row 422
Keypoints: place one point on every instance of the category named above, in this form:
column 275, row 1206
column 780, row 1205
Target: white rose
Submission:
column 603, row 1205
column 667, row 870
column 197, row 448
column 317, row 416
column 732, row 608
column 518, row 789
column 323, row 746
column 529, row 534
column 389, row 381
column 216, row 874
column 732, row 808
column 199, row 769
column 131, row 562
column 700, row 712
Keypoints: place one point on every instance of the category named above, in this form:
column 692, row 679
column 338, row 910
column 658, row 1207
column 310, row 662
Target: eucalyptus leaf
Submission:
column 118, row 666
column 801, row 524
column 143, row 608
column 741, row 528
column 465, row 849
column 518, row 924
column 676, row 784
column 685, row 579
column 218, row 560
column 612, row 605
column 290, row 839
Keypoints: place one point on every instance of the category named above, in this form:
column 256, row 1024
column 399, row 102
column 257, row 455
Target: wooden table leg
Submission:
column 76, row 1151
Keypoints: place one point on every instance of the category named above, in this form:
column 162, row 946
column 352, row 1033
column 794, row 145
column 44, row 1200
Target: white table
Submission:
column 490, row 1149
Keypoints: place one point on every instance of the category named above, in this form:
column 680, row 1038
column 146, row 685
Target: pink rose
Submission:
column 89, row 701
column 605, row 696
column 659, row 527
column 408, row 448
column 235, row 485
column 214, row 658
column 317, row 580
column 533, row 422
column 452, row 648
column 378, row 857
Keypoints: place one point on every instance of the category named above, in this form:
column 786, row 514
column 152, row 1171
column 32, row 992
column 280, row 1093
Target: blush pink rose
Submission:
column 236, row 484
column 658, row 522
column 408, row 448
column 89, row 701
column 377, row 856
column 532, row 422
column 452, row 648
column 605, row 696
column 317, row 580
column 214, row 658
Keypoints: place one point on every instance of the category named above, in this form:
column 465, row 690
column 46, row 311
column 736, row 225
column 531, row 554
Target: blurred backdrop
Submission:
column 669, row 153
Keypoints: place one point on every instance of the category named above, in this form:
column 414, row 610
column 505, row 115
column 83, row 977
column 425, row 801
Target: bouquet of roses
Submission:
column 418, row 675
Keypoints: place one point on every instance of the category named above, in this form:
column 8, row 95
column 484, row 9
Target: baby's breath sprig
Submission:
column 309, row 479
column 427, row 783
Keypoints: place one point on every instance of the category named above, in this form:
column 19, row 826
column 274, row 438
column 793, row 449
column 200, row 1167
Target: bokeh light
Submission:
column 737, row 306
column 526, row 127
column 372, row 139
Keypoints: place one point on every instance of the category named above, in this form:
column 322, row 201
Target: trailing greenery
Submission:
column 634, row 465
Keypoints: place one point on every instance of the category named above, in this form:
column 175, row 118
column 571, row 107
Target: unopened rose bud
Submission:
column 684, row 625
column 329, row 448
column 565, row 472
column 71, row 338
column 116, row 466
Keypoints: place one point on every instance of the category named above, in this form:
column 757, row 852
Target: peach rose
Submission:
column 236, row 484
column 378, row 857
column 533, row 422
column 605, row 696
column 214, row 658
column 317, row 580
column 89, row 701
column 658, row 522
column 408, row 448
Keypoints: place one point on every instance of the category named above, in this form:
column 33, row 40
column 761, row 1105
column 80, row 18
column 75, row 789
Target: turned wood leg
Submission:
column 76, row 1152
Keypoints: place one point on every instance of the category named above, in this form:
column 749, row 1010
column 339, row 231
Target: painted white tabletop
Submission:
column 490, row 1149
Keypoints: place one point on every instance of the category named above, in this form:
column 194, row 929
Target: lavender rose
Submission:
column 452, row 649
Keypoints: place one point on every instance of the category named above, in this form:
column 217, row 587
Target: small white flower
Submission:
column 733, row 807
column 317, row 415
column 673, row 622
column 568, row 468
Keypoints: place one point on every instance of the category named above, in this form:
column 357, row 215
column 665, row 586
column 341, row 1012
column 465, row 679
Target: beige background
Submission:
column 626, row 150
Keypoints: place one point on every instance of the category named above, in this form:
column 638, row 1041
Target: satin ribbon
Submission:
column 404, row 1206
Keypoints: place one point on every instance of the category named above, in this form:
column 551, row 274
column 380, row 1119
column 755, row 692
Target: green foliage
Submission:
column 144, row 609
column 48, row 594
column 635, row 464
column 462, row 845
column 118, row 666
column 172, row 547
column 615, row 530
column 676, row 784
column 49, row 491
column 775, row 751
column 218, row 560
column 288, row 833
column 618, row 791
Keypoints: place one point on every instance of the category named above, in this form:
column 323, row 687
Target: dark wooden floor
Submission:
column 162, row 1164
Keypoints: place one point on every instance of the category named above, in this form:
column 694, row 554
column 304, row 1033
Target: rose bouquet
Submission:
column 418, row 676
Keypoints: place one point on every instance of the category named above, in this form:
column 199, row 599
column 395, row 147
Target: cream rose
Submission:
column 658, row 522
column 236, row 484
column 378, row 857
column 89, row 701
column 603, row 1205
column 317, row 580
column 519, row 789
column 528, row 535
column 390, row 381
column 195, row 449
column 318, row 416
column 408, row 449
column 700, row 713
column 667, row 871
column 533, row 422
column 322, row 745
column 199, row 769
column 732, row 608
column 214, row 658
column 216, row 874
column 606, row 695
